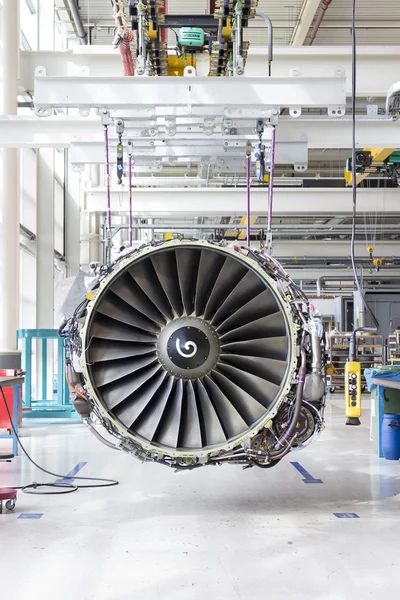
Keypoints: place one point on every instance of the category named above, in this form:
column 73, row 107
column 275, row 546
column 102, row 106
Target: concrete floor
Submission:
column 215, row 534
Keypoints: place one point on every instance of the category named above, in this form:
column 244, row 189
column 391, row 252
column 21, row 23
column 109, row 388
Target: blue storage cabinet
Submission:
column 58, row 406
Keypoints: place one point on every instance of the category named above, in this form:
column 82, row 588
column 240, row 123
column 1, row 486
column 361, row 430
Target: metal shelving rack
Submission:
column 394, row 347
column 370, row 352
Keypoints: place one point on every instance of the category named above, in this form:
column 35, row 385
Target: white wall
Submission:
column 28, row 23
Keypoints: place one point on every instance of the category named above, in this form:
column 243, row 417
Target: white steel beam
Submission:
column 232, row 201
column 145, row 151
column 308, row 61
column 330, row 249
column 313, row 273
column 306, row 17
column 322, row 132
column 192, row 94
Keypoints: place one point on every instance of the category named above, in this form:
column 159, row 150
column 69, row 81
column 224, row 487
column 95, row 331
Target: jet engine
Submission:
column 192, row 353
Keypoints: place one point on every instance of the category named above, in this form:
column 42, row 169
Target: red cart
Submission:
column 10, row 496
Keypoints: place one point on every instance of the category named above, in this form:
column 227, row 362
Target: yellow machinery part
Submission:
column 151, row 32
column 177, row 64
column 330, row 369
column 378, row 262
column 378, row 155
column 370, row 249
column 241, row 232
column 227, row 32
column 168, row 236
column 352, row 390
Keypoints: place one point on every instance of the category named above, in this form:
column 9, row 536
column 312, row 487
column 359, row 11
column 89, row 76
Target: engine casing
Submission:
column 193, row 353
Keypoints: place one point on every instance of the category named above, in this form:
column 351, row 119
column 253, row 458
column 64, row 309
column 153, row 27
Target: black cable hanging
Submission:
column 354, row 167
column 68, row 488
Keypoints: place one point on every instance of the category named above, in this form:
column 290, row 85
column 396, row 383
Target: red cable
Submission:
column 126, row 55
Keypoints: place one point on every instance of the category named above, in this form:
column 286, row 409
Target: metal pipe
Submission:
column 248, row 164
column 76, row 15
column 270, row 38
column 271, row 182
column 320, row 18
column 108, row 189
column 130, row 199
column 380, row 275
column 279, row 228
column 291, row 430
column 98, row 435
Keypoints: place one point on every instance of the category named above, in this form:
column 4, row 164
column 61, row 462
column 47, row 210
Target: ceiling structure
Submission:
column 293, row 22
column 289, row 19
column 300, row 235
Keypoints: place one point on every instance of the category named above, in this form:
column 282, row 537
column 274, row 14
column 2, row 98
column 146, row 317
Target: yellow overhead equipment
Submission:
column 241, row 232
column 378, row 155
column 177, row 64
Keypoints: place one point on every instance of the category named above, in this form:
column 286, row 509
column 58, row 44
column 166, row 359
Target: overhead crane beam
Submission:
column 310, row 61
column 229, row 201
column 306, row 17
column 60, row 132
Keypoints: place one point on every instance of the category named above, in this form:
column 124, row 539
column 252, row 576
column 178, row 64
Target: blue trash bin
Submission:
column 391, row 436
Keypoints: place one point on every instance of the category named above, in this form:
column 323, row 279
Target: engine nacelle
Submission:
column 193, row 353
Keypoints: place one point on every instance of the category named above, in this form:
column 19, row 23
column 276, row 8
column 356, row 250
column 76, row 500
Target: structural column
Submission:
column 45, row 239
column 72, row 218
column 45, row 265
column 9, row 189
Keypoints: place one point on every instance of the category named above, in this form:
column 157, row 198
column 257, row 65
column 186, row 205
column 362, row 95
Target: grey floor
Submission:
column 215, row 534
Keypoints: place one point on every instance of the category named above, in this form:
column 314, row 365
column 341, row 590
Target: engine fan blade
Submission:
column 262, row 390
column 126, row 288
column 211, row 428
column 230, row 419
column 164, row 264
column 129, row 410
column 247, row 288
column 187, row 260
column 104, row 374
column 266, row 368
column 248, row 407
column 108, row 329
column 168, row 429
column 107, row 350
column 273, row 347
column 115, row 308
column 115, row 393
column 145, row 276
column 229, row 276
column 262, row 305
column 270, row 326
column 147, row 423
column 210, row 266
column 189, row 432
